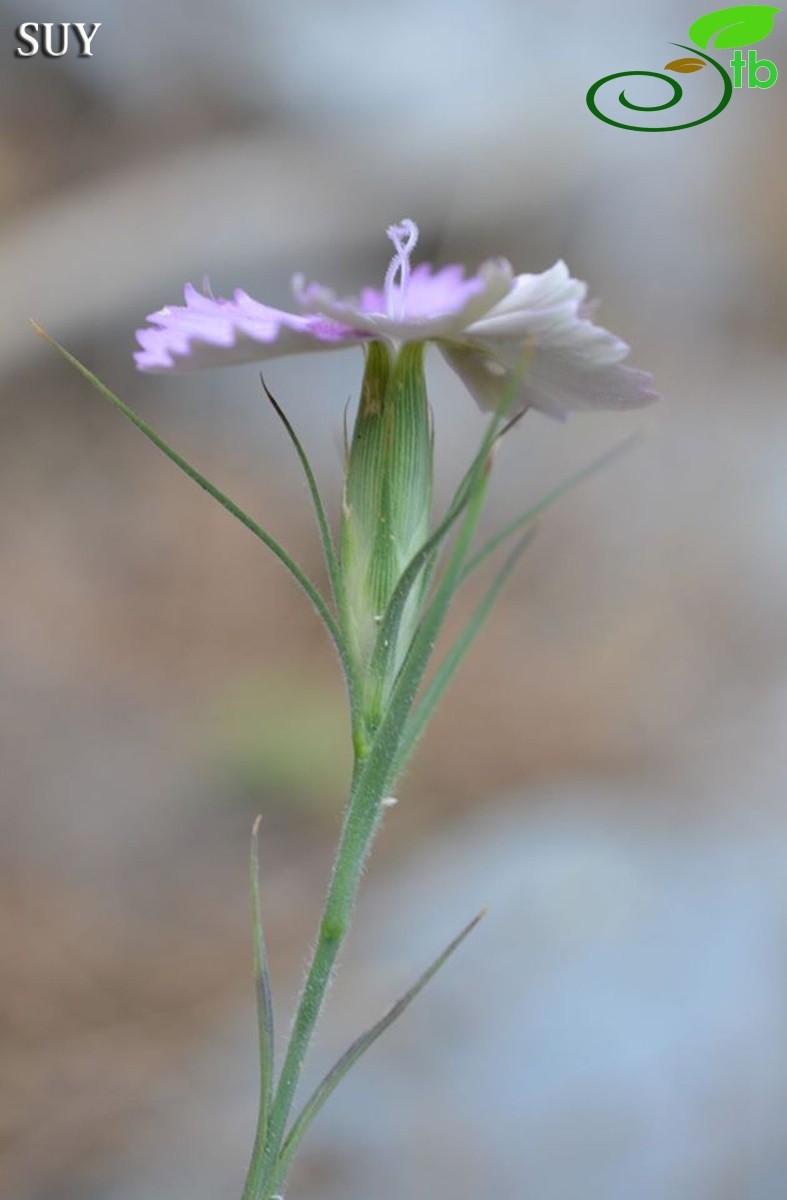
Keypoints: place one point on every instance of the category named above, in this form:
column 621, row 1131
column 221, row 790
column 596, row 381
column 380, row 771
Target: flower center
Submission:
column 404, row 237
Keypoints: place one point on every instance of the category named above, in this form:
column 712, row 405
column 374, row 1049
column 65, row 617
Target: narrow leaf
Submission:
column 262, row 982
column 550, row 498
column 389, row 628
column 413, row 669
column 300, row 577
column 741, row 25
column 329, row 550
column 319, row 508
column 358, row 1048
column 685, row 66
column 421, row 715
column 436, row 688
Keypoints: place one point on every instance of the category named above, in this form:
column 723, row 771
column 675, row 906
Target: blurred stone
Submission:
column 615, row 1027
column 625, row 997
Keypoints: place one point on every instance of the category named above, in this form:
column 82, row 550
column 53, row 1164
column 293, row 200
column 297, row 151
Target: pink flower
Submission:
column 491, row 328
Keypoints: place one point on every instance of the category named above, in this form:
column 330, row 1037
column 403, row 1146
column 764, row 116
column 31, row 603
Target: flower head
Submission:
column 486, row 326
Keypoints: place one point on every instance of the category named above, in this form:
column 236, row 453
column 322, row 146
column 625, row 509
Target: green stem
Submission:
column 374, row 771
column 357, row 1049
column 264, row 1015
column 360, row 824
column 372, row 777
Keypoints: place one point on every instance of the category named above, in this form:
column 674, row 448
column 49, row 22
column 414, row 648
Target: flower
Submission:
column 495, row 329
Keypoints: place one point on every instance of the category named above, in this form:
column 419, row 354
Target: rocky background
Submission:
column 608, row 772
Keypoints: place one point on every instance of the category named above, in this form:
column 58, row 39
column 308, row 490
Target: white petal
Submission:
column 535, row 302
column 553, row 382
column 542, row 331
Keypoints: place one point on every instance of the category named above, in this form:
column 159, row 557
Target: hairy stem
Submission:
column 362, row 815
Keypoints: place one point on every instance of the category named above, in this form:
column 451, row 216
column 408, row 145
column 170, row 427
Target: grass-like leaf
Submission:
column 433, row 693
column 388, row 633
column 469, row 502
column 236, row 511
column 262, row 979
column 329, row 549
column 359, row 1047
column 426, row 559
column 421, row 715
column 326, row 539
column 548, row 499
column 262, row 988
column 413, row 669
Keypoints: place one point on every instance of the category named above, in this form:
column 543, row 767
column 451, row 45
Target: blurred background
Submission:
column 607, row 773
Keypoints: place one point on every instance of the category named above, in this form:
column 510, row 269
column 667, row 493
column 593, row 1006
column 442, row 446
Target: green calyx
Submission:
column 387, row 498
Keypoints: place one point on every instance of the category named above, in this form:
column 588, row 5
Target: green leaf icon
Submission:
column 741, row 25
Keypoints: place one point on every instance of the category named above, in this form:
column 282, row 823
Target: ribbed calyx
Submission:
column 387, row 497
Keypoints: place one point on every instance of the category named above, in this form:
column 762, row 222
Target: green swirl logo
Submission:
column 741, row 25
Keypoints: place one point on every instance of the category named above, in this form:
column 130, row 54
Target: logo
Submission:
column 742, row 25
